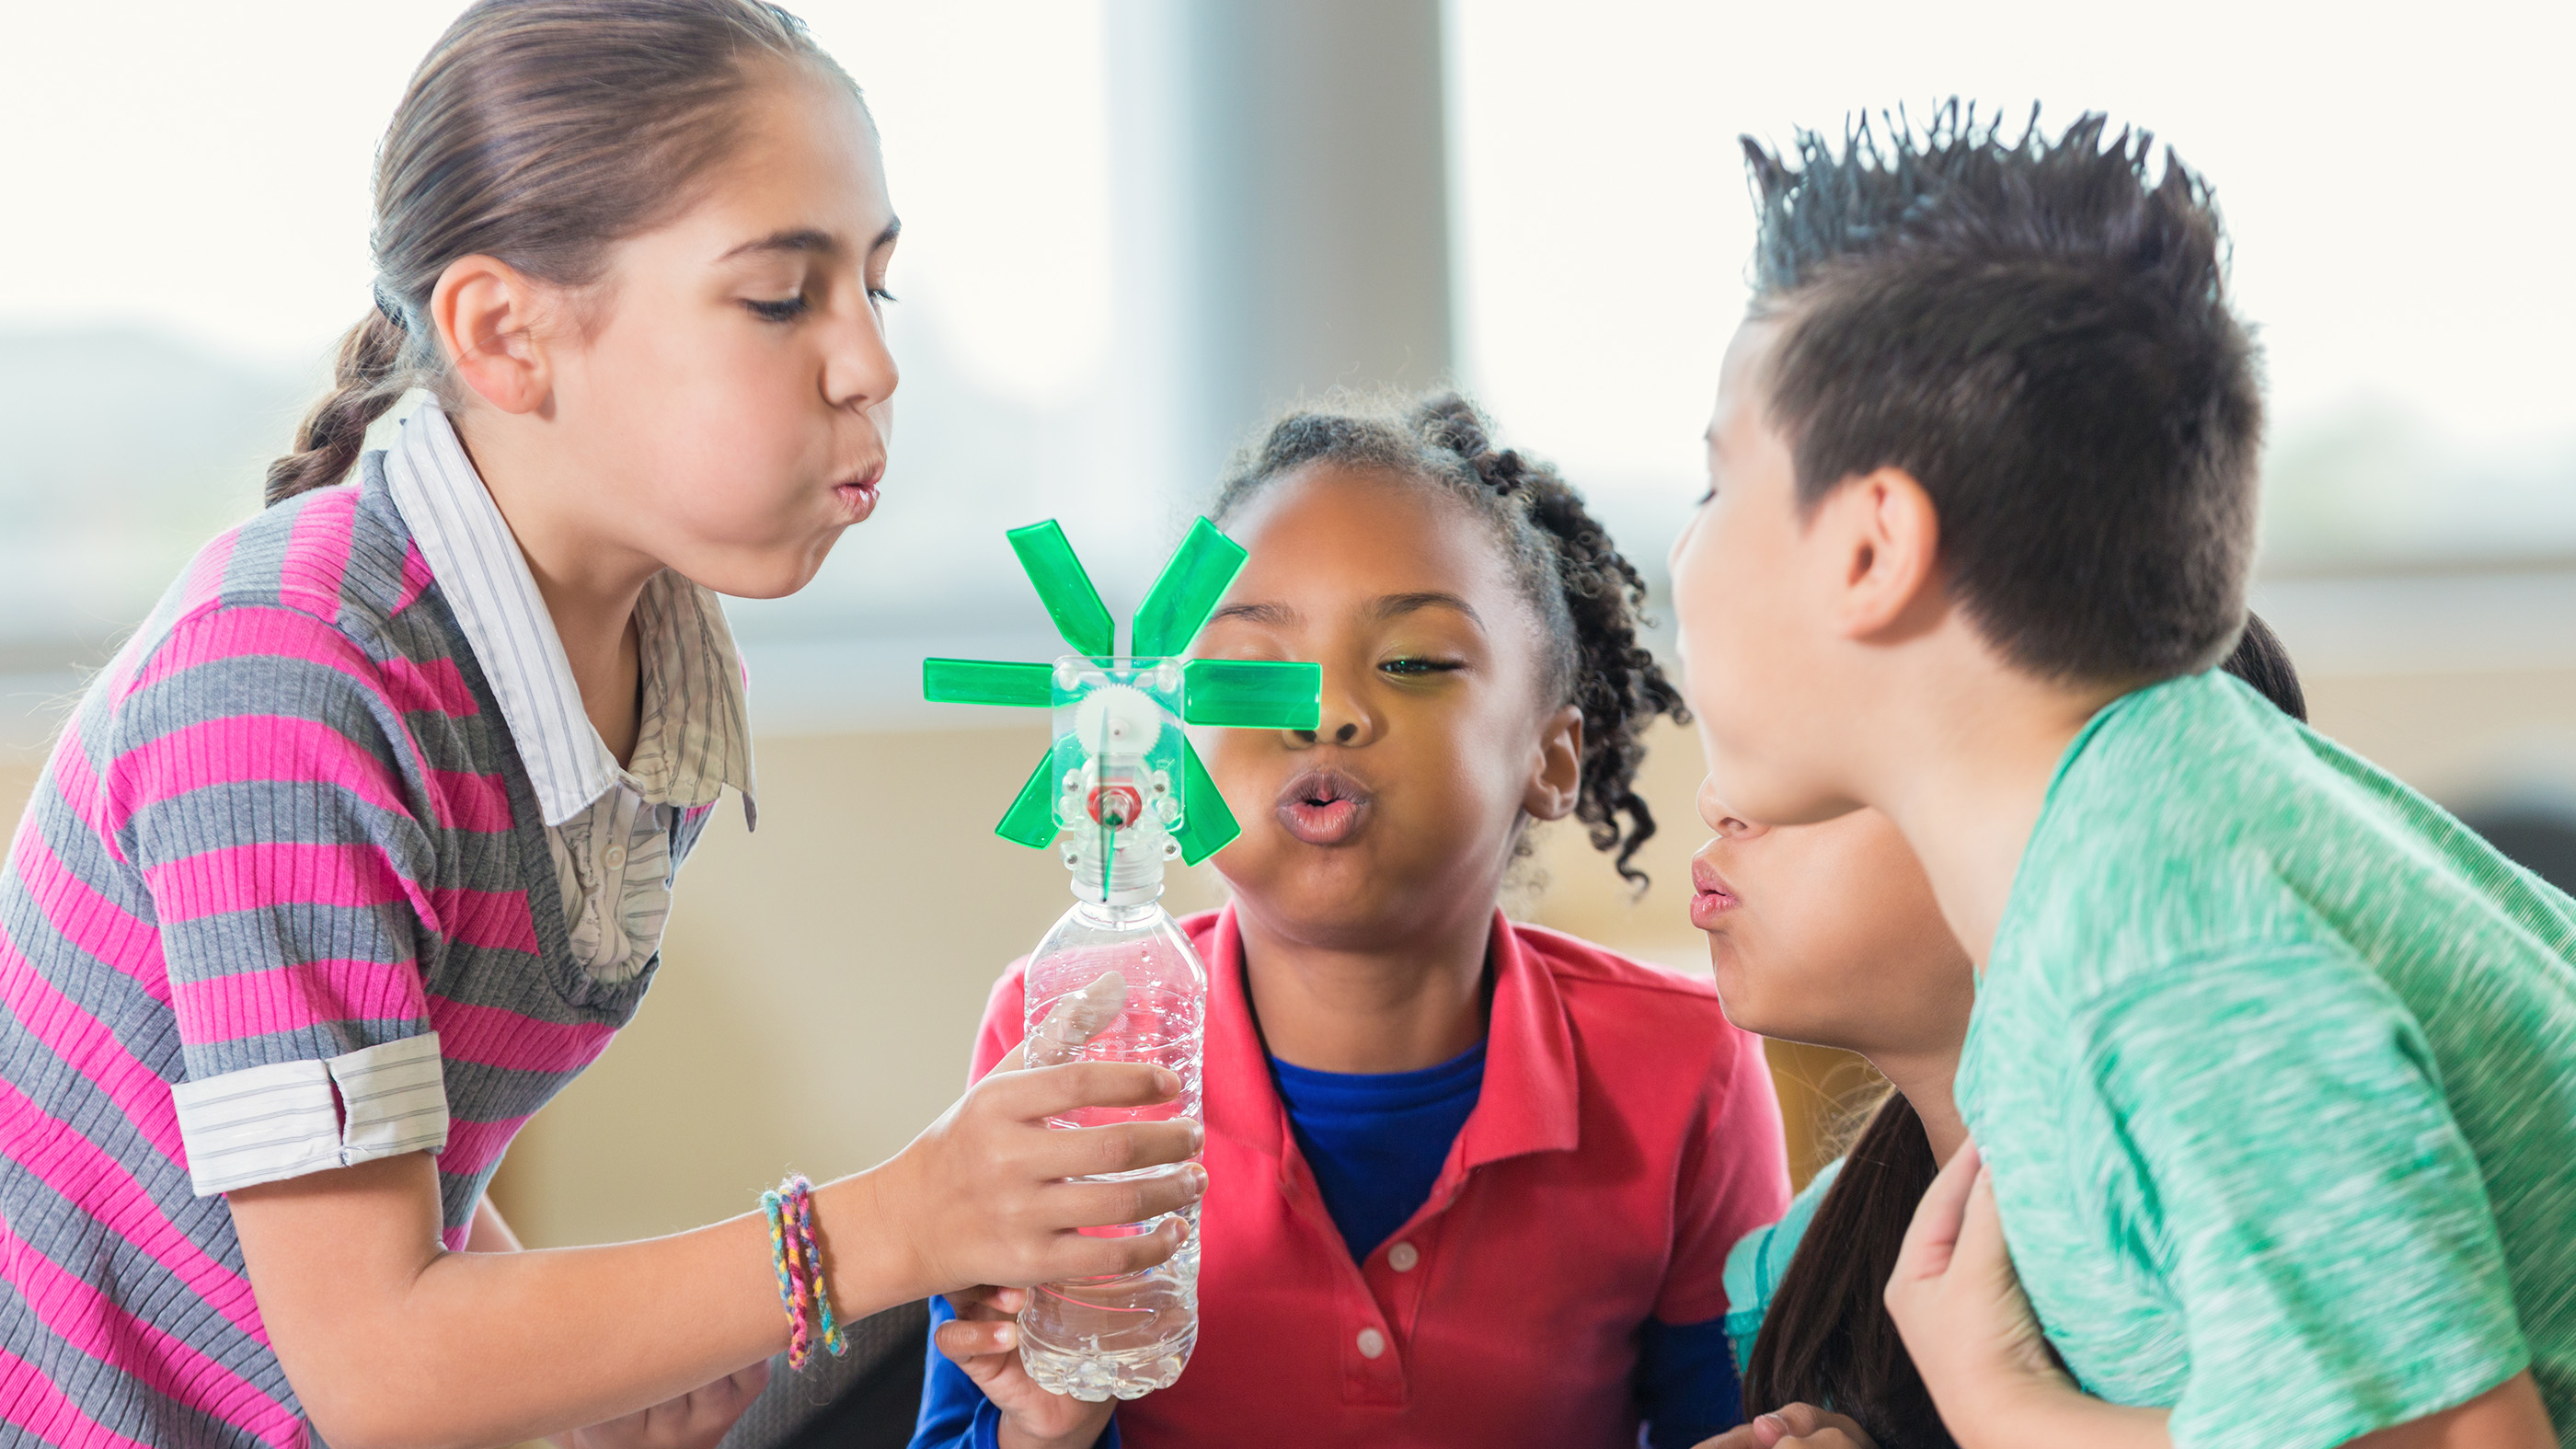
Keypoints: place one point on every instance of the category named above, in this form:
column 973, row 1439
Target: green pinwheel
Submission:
column 1121, row 775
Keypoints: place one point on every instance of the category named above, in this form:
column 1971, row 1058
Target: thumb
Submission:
column 1933, row 1237
column 1801, row 1419
column 1981, row 1249
column 1076, row 1018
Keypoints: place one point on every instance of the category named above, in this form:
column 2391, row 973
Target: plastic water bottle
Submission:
column 1116, row 981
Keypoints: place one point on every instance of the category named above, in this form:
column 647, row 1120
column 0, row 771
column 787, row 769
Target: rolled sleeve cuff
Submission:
column 286, row 1119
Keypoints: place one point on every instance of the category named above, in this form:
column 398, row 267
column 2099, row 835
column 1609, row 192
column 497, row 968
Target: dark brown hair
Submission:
column 1588, row 598
column 2039, row 332
column 1826, row 1338
column 539, row 132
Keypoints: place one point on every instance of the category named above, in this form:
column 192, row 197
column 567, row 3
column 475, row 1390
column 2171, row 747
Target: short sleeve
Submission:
column 1733, row 1178
column 256, row 775
column 1760, row 1259
column 1005, row 1020
column 2317, row 1213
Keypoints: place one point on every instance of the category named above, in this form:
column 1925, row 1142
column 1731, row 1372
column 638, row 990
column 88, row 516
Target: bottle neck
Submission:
column 1116, row 915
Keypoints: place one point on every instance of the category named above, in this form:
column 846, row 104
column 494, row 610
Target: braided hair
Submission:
column 1589, row 600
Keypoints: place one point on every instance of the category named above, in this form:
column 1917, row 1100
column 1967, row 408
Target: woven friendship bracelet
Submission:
column 789, row 1207
column 782, row 1257
column 801, row 1193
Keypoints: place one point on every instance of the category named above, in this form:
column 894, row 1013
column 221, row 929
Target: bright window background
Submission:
column 198, row 243
column 2393, row 178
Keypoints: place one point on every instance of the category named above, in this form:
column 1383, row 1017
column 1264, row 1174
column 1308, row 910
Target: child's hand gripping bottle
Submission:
column 1116, row 980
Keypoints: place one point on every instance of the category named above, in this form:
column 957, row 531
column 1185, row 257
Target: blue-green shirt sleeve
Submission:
column 1755, row 1264
column 2279, row 1143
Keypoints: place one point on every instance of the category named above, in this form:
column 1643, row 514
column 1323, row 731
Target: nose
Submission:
column 1343, row 718
column 1714, row 813
column 858, row 369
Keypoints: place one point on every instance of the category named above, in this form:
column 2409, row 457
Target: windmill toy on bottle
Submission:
column 1116, row 980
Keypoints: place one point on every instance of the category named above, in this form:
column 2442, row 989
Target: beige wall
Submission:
column 825, row 974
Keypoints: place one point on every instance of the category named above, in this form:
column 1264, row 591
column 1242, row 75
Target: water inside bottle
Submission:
column 1128, row 1335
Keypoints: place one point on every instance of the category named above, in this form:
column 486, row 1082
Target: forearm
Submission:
column 2056, row 1416
column 433, row 1347
column 489, row 1234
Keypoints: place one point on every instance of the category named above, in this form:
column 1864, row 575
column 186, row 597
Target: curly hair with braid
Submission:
column 1589, row 600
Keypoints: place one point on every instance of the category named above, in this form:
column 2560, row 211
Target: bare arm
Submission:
column 389, row 1339
column 1959, row 1306
column 489, row 1234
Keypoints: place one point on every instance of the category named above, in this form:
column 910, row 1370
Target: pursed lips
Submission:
column 1323, row 806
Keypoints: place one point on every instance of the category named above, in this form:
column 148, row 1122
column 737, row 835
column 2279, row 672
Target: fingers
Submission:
column 1076, row 1018
column 1122, row 1147
column 988, row 1301
column 1804, row 1426
column 1934, row 1234
column 746, row 1384
column 1054, row 1091
column 1075, row 1256
column 1136, row 1200
column 1981, row 1231
column 974, row 1338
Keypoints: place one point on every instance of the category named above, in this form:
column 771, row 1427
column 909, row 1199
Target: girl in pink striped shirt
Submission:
column 360, row 848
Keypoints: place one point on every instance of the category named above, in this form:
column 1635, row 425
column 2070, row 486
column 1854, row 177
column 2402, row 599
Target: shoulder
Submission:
column 2181, row 825
column 1638, row 1019
column 1596, row 969
column 316, row 579
column 1600, row 986
column 1759, row 1259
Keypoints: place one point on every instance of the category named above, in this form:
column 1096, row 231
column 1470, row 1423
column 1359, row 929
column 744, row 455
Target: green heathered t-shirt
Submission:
column 2275, row 1063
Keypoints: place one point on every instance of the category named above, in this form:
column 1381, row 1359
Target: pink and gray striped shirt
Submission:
column 283, row 901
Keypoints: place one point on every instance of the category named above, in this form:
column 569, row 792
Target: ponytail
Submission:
column 366, row 380
column 1826, row 1338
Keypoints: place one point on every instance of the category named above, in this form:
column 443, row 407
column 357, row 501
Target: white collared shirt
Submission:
column 608, row 826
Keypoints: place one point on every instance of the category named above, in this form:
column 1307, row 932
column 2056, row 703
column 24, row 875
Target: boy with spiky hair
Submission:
column 2272, row 1073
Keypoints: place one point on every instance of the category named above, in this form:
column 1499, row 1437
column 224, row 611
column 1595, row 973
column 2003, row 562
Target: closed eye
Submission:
column 1414, row 666
column 784, row 310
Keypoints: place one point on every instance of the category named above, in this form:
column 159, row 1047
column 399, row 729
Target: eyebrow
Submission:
column 1396, row 605
column 1382, row 608
column 1278, row 616
column 807, row 239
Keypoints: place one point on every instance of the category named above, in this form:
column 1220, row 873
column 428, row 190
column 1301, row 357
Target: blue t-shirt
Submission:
column 1376, row 1142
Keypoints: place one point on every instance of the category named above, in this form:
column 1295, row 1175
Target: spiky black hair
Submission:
column 2039, row 332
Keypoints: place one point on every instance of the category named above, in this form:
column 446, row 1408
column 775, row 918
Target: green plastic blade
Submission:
column 1252, row 694
column 1065, row 589
column 1031, row 819
column 987, row 681
column 1186, row 594
column 1206, row 825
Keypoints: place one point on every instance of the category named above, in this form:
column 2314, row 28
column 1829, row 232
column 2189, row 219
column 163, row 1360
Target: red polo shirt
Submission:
column 1625, row 1138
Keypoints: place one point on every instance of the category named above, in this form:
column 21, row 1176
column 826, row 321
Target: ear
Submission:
column 486, row 313
column 1557, row 783
column 1885, row 539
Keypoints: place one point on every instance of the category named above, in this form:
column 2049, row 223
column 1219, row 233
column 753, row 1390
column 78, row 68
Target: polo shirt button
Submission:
column 1372, row 1343
column 614, row 857
column 1402, row 1257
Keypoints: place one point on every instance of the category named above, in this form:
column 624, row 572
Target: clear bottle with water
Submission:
column 1117, row 981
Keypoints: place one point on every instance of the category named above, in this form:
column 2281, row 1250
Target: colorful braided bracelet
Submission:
column 790, row 1210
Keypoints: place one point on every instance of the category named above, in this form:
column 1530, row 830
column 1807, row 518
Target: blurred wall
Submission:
column 823, row 976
